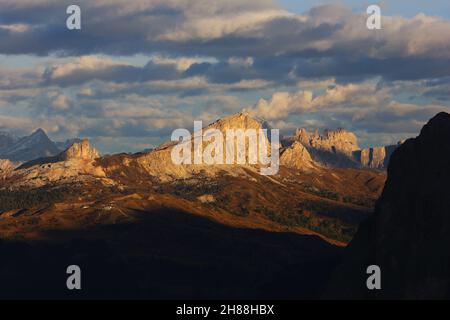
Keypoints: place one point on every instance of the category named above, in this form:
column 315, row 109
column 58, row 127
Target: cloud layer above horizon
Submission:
column 139, row 69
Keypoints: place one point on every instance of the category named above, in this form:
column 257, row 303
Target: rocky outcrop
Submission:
column 6, row 168
column 63, row 145
column 80, row 150
column 333, row 148
column 6, row 164
column 159, row 162
column 76, row 164
column 407, row 235
column 339, row 148
column 376, row 157
column 297, row 156
column 336, row 141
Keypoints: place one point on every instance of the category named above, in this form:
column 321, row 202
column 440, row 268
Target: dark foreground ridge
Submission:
column 168, row 254
column 407, row 237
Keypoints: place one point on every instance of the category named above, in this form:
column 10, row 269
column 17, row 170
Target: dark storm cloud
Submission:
column 390, row 69
column 327, row 41
column 115, row 73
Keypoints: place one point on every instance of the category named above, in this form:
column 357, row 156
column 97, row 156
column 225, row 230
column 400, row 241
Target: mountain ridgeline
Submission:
column 280, row 236
column 339, row 149
column 334, row 149
column 37, row 145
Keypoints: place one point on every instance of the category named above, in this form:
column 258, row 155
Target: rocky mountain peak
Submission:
column 339, row 140
column 297, row 156
column 34, row 146
column 240, row 120
column 39, row 135
column 80, row 150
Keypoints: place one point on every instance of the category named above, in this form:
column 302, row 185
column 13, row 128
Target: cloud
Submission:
column 283, row 104
column 327, row 41
column 89, row 68
column 209, row 58
column 252, row 27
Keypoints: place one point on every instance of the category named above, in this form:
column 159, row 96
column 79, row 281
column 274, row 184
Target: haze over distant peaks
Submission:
column 35, row 146
column 31, row 147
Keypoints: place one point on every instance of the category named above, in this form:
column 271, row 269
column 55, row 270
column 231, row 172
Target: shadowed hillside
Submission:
column 168, row 254
column 408, row 234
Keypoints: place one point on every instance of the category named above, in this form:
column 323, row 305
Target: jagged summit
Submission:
column 36, row 145
column 297, row 156
column 339, row 140
column 80, row 150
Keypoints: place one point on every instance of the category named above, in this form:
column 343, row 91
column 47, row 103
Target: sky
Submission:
column 138, row 69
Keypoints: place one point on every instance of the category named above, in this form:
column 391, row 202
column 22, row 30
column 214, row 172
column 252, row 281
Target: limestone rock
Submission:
column 333, row 148
column 376, row 157
column 335, row 141
column 80, row 150
column 296, row 156
column 159, row 163
column 6, row 168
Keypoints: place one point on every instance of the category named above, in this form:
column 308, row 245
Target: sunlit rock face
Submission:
column 81, row 150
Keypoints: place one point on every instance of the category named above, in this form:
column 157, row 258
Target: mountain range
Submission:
column 339, row 148
column 170, row 230
column 335, row 148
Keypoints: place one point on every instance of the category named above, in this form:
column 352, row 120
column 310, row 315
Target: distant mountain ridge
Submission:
column 35, row 146
column 303, row 196
column 339, row 149
column 334, row 148
column 6, row 140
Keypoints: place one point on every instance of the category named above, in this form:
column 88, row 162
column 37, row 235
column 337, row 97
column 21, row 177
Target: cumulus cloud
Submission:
column 284, row 104
column 374, row 111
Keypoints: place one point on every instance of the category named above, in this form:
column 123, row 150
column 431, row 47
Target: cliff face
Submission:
column 339, row 148
column 297, row 156
column 333, row 148
column 81, row 150
column 376, row 157
column 409, row 231
column 159, row 162
column 337, row 141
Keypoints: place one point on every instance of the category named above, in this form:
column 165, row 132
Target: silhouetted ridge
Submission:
column 409, row 231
